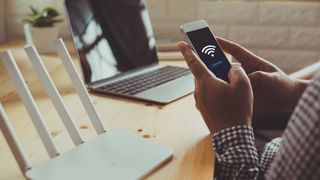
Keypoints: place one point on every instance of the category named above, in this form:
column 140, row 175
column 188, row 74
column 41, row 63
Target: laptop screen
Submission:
column 111, row 36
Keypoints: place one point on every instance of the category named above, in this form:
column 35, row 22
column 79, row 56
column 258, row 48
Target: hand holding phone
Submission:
column 205, row 45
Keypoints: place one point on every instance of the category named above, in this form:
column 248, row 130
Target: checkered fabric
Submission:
column 296, row 156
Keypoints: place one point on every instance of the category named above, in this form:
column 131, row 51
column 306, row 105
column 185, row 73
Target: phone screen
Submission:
column 210, row 52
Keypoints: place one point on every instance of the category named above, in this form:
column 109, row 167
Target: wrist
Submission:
column 218, row 127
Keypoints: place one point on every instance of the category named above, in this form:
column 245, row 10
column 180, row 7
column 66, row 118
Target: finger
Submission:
column 196, row 82
column 235, row 64
column 237, row 76
column 197, row 68
column 196, row 93
column 248, row 60
column 257, row 78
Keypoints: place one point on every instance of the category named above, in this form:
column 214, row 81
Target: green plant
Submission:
column 42, row 18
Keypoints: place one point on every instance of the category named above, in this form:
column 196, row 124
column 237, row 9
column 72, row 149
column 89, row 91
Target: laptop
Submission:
column 116, row 47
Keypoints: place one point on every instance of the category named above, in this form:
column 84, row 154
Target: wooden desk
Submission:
column 177, row 125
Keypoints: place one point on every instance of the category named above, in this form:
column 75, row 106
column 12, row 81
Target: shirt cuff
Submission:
column 241, row 135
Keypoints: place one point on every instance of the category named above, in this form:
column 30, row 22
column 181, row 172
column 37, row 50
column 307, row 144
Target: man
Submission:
column 257, row 85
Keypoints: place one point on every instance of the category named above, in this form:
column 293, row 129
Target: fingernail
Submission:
column 236, row 67
column 182, row 46
column 235, row 64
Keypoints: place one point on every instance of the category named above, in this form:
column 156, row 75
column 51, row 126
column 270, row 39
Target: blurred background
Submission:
column 285, row 32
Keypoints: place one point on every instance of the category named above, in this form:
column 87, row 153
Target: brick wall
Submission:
column 286, row 33
column 2, row 22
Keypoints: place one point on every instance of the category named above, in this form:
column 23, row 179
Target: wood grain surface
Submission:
column 177, row 125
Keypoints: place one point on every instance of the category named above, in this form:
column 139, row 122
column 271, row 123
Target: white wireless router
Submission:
column 114, row 154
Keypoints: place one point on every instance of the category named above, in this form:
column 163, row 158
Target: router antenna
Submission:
column 14, row 144
column 54, row 95
column 29, row 103
column 80, row 88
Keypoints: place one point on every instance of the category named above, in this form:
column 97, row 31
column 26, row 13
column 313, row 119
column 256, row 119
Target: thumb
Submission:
column 238, row 76
column 196, row 66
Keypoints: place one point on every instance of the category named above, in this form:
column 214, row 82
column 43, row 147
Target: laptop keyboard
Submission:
column 146, row 81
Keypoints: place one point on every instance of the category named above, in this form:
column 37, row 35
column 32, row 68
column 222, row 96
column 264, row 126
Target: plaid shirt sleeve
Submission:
column 299, row 153
column 237, row 155
column 296, row 156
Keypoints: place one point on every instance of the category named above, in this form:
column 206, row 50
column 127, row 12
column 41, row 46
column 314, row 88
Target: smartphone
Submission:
column 201, row 39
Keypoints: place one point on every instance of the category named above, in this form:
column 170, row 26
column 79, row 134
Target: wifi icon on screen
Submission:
column 209, row 50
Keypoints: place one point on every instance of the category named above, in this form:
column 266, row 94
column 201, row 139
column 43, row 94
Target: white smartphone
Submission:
column 201, row 39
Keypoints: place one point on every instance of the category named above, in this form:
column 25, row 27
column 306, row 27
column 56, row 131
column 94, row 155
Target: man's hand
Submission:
column 274, row 91
column 221, row 104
